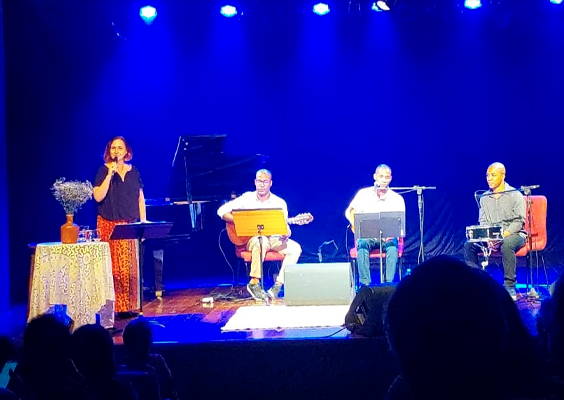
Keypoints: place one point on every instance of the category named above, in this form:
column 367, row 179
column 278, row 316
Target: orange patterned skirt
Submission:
column 125, row 267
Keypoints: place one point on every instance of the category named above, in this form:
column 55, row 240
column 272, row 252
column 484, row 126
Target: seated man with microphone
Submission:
column 375, row 199
column 501, row 205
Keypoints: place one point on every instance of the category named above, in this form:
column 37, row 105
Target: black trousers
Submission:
column 510, row 245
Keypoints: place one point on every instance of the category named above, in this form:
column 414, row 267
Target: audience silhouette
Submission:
column 92, row 350
column 456, row 332
column 8, row 352
column 550, row 326
column 459, row 335
column 138, row 339
column 45, row 371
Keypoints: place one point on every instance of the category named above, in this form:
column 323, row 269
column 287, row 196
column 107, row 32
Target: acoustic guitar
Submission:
column 300, row 219
column 352, row 217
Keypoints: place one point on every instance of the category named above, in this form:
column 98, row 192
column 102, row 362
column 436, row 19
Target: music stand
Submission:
column 378, row 226
column 260, row 222
column 140, row 231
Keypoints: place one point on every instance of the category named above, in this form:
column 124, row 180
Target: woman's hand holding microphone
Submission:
column 112, row 168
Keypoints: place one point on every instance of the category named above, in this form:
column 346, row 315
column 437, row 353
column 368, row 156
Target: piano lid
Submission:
column 202, row 170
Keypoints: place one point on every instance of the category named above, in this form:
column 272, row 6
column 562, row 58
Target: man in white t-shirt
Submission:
column 377, row 198
column 262, row 197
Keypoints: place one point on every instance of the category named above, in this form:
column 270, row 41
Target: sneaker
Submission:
column 274, row 291
column 257, row 292
column 512, row 292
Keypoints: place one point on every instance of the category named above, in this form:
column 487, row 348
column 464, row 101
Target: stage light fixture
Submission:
column 556, row 1
column 148, row 14
column 382, row 5
column 355, row 8
column 321, row 8
column 472, row 4
column 375, row 7
column 228, row 11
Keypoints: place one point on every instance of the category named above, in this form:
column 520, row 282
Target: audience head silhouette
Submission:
column 45, row 372
column 454, row 328
column 138, row 338
column 92, row 350
column 45, row 341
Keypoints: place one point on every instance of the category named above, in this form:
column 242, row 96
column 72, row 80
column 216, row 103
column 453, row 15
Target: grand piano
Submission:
column 202, row 176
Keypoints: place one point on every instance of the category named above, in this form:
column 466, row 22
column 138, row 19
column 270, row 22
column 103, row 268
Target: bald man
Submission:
column 375, row 199
column 501, row 205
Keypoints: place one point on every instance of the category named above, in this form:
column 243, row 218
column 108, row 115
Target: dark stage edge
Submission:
column 324, row 363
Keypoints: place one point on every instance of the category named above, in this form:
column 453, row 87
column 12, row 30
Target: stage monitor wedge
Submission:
column 318, row 284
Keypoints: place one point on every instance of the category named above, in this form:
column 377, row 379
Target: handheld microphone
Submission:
column 531, row 187
column 114, row 160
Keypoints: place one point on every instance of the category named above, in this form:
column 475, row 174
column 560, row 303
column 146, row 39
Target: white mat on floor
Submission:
column 284, row 317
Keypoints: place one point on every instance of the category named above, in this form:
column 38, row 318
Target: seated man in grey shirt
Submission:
column 501, row 205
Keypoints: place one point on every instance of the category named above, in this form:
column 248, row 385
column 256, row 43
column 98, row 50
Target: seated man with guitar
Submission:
column 263, row 198
column 374, row 199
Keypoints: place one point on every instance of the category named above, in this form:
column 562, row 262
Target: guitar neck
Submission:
column 301, row 219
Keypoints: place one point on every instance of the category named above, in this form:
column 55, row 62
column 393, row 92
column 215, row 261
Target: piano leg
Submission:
column 158, row 259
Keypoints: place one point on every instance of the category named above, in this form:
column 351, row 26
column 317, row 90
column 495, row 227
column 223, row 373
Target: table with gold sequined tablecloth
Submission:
column 78, row 275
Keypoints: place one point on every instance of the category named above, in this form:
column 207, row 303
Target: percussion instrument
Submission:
column 484, row 233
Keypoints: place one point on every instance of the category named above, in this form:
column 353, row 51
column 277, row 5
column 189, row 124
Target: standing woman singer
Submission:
column 118, row 190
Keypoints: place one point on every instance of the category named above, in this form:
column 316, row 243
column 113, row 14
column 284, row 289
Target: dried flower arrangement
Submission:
column 72, row 194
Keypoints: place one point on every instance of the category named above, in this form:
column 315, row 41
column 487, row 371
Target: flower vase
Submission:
column 69, row 231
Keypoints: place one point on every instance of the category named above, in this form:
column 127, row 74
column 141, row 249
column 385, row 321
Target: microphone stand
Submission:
column 260, row 236
column 381, row 262
column 420, row 206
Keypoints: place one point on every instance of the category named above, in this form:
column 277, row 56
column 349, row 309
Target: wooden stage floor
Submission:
column 182, row 317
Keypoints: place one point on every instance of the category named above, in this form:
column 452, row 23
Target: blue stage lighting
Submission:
column 556, row 1
column 228, row 11
column 148, row 14
column 472, row 4
column 321, row 9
